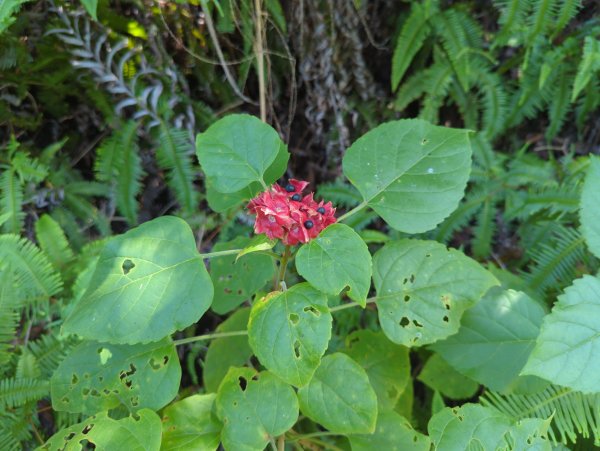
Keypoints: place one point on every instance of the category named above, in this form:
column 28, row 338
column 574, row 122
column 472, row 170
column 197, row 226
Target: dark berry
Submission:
column 296, row 197
column 308, row 224
column 290, row 188
column 321, row 210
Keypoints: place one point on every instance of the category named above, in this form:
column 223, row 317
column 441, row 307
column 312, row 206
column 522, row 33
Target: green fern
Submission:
column 17, row 392
column 49, row 351
column 173, row 154
column 35, row 275
column 9, row 316
column 53, row 242
column 119, row 163
column 484, row 230
column 513, row 14
column 589, row 65
column 341, row 194
column 568, row 9
column 494, row 103
column 573, row 413
column 11, row 200
column 461, row 216
column 541, row 18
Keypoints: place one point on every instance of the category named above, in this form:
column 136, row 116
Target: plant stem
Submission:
column 282, row 268
column 356, row 209
column 221, row 253
column 350, row 305
column 235, row 333
column 281, row 443
column 260, row 62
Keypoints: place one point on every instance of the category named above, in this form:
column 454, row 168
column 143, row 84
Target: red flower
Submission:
column 282, row 213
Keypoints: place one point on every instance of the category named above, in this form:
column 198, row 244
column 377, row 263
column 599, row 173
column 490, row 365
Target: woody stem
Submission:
column 283, row 267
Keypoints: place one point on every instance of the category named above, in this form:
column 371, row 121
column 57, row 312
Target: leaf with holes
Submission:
column 237, row 280
column 473, row 426
column 101, row 376
column 191, row 424
column 336, row 259
column 495, row 339
column 236, row 151
column 424, row 288
column 393, row 433
column 340, row 397
column 139, row 433
column 413, row 174
column 590, row 207
column 226, row 352
column 289, row 332
column 566, row 349
column 441, row 377
column 148, row 283
column 254, row 407
column 386, row 364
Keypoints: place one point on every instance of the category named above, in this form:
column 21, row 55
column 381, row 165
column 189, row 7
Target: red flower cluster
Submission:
column 282, row 212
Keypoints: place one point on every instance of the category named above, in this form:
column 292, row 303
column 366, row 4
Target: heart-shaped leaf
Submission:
column 289, row 332
column 236, row 151
column 413, row 174
column 337, row 258
column 424, row 288
column 148, row 283
column 340, row 397
column 254, row 407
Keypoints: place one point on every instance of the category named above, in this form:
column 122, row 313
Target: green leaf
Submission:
column 474, row 427
column 590, row 64
column 253, row 407
column 440, row 376
column 336, row 259
column 191, row 424
column 101, row 376
column 413, row 34
column 589, row 212
column 386, row 364
column 53, row 241
column 236, row 281
column 495, row 339
column 236, row 151
column 565, row 351
column 91, row 6
column 289, row 332
column 8, row 11
column 140, row 433
column 148, row 283
column 340, row 397
column 413, row 174
column 393, row 433
column 221, row 202
column 423, row 288
column 257, row 244
column 226, row 352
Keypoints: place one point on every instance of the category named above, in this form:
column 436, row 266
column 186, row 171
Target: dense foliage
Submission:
column 169, row 280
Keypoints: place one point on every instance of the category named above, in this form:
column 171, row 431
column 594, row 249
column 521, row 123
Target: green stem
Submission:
column 296, row 438
column 282, row 267
column 221, row 253
column 355, row 210
column 235, row 333
column 350, row 305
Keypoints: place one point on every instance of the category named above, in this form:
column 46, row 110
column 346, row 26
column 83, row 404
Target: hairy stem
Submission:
column 235, row 333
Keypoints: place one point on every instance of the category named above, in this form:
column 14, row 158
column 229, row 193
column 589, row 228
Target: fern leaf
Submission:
column 340, row 194
column 590, row 63
column 573, row 413
column 49, row 351
column 484, row 230
column 438, row 78
column 35, row 274
column 559, row 104
column 8, row 440
column 541, row 19
column 53, row 242
column 8, row 12
column 16, row 392
column 27, row 366
column 449, row 27
column 494, row 103
column 173, row 153
column 11, row 200
column 413, row 34
column 513, row 14
column 460, row 217
column 555, row 260
column 567, row 10
column 9, row 316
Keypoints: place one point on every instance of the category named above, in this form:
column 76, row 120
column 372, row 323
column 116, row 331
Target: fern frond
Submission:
column 588, row 103
column 8, row 440
column 414, row 32
column 589, row 65
column 566, row 11
column 555, row 260
column 49, row 351
column 11, row 200
column 9, row 315
column 437, row 81
column 484, row 230
column 53, row 242
column 16, row 392
column 494, row 103
column 341, row 194
column 34, row 272
column 559, row 104
column 27, row 366
column 556, row 200
column 513, row 14
column 541, row 19
column 173, row 154
column 573, row 413
column 461, row 216
column 119, row 162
